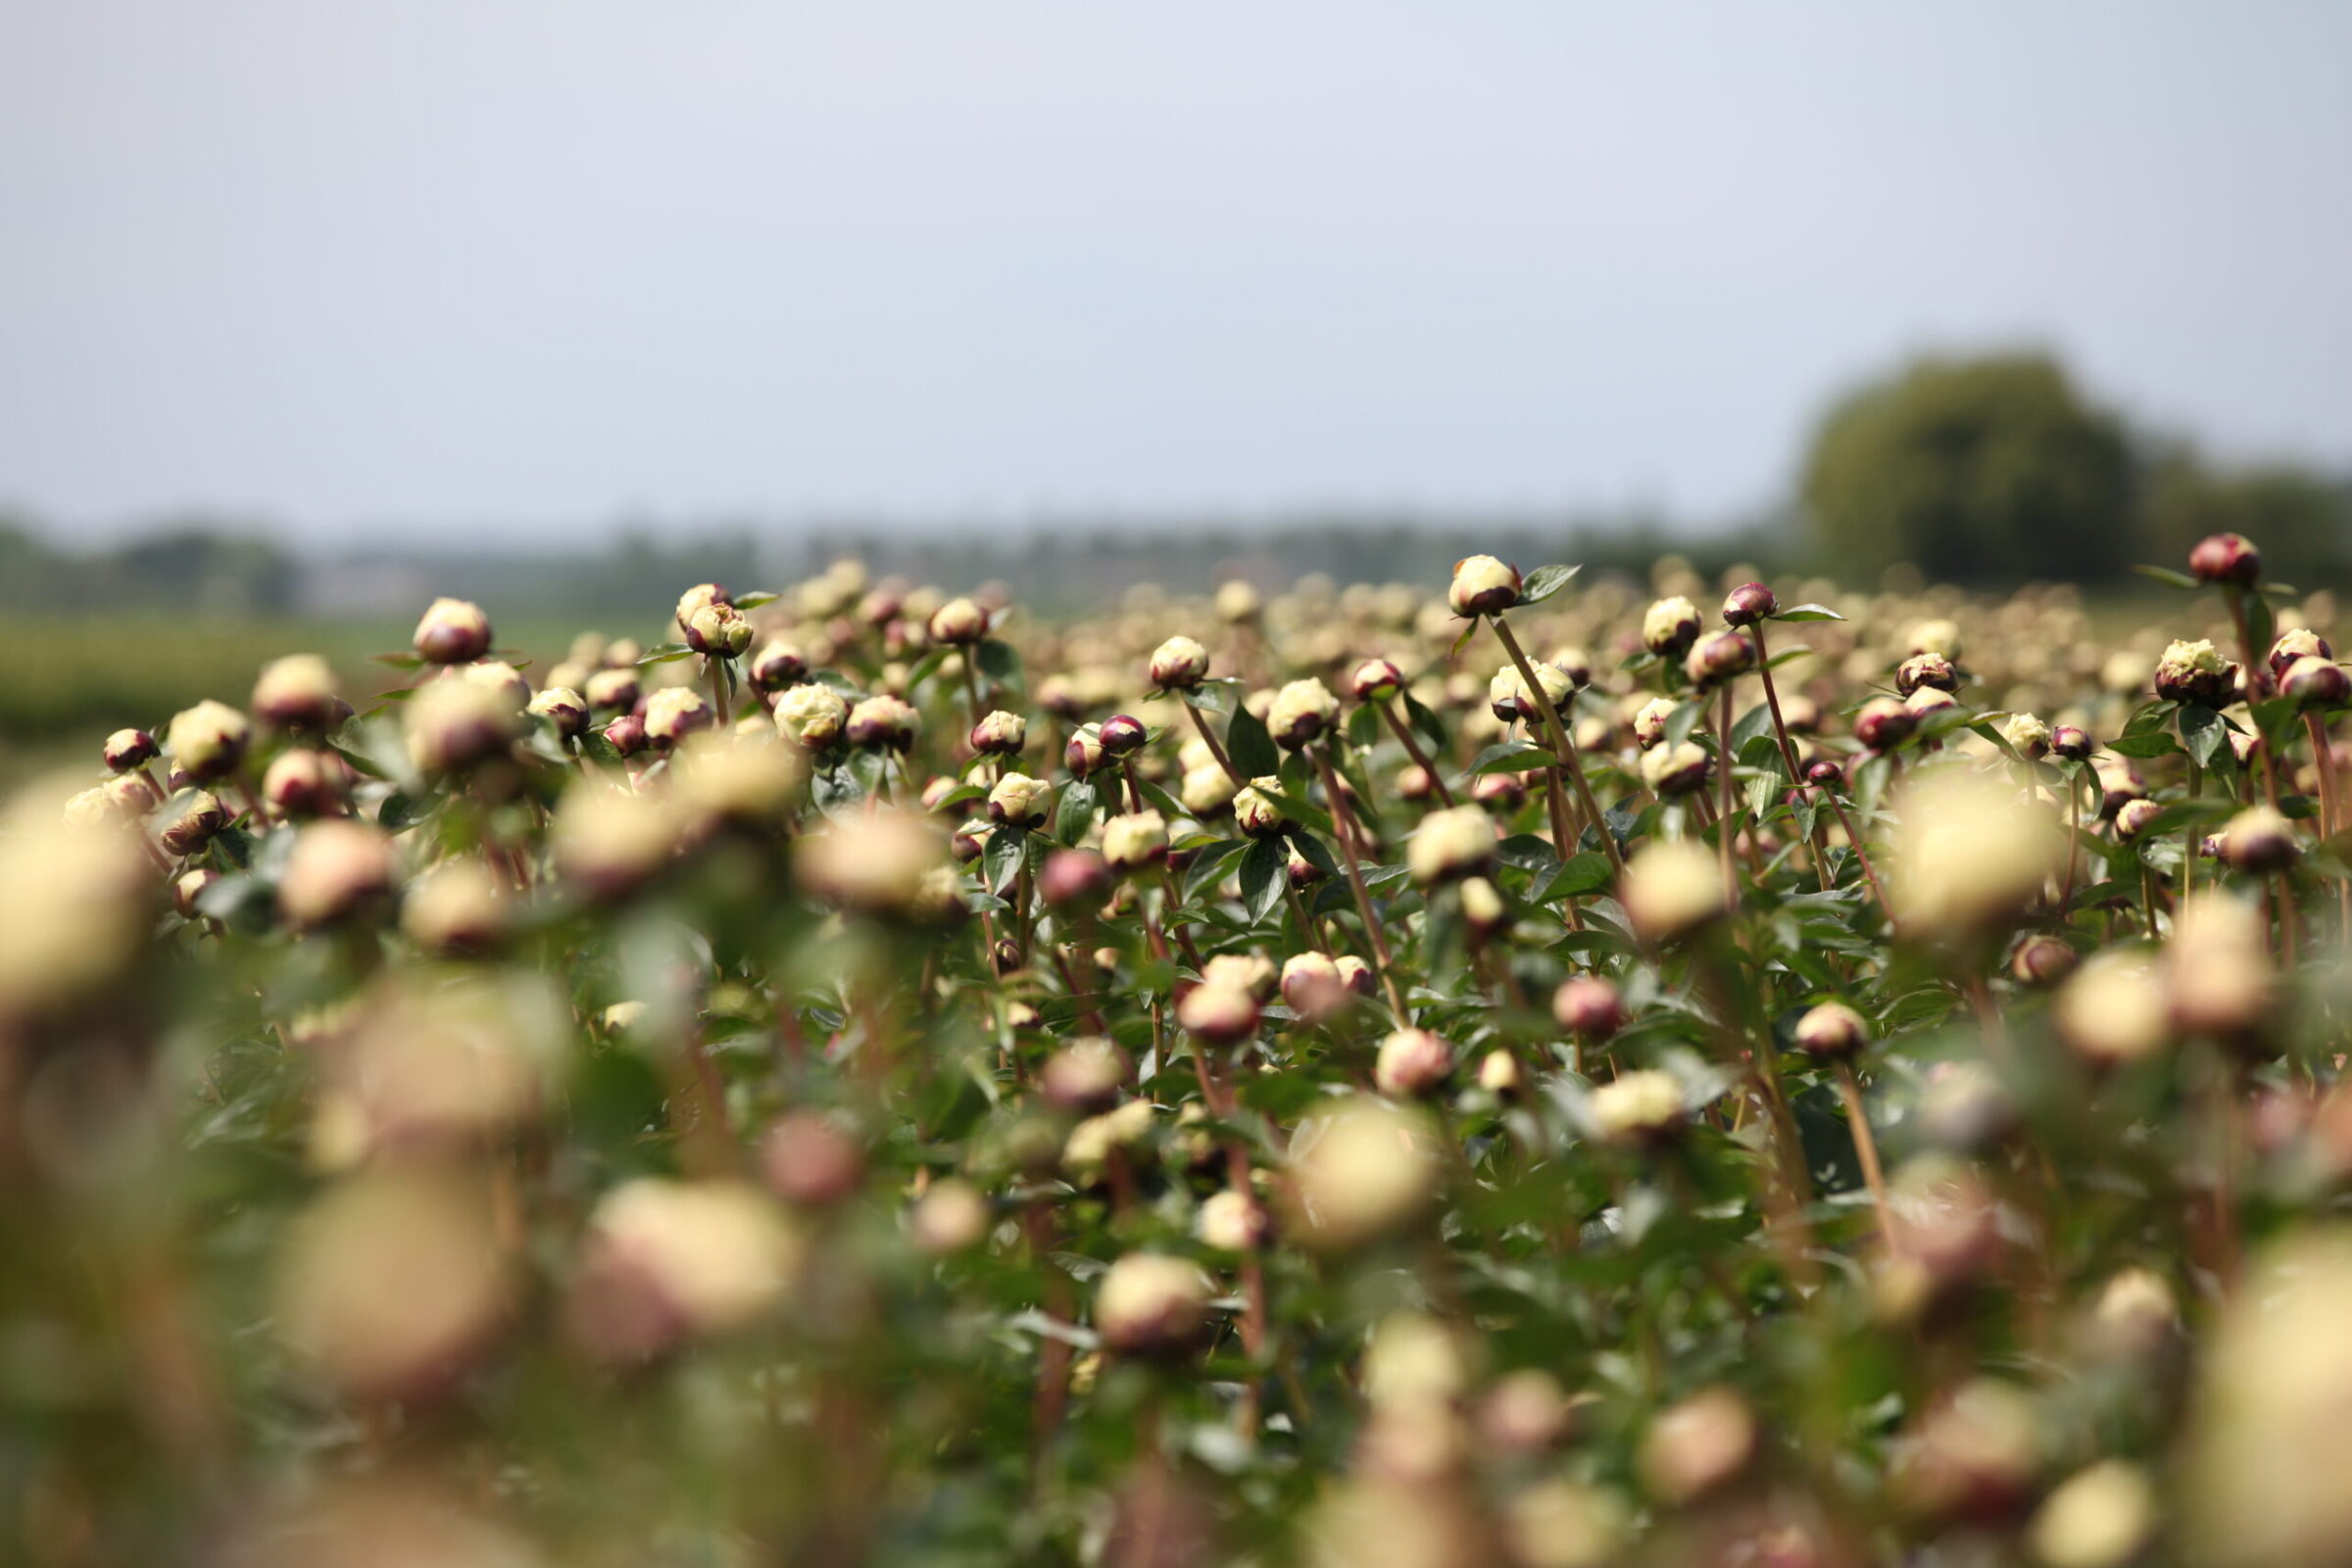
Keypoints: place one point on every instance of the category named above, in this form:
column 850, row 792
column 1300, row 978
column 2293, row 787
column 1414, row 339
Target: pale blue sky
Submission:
column 526, row 264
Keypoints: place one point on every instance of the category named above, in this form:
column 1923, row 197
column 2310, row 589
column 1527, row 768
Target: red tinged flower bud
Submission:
column 190, row 888
column 2315, row 682
column 297, row 692
column 2258, row 841
column 1152, row 1305
column 2070, row 742
column 998, row 734
column 197, row 818
column 1218, row 1011
column 304, row 783
column 1411, row 1063
column 1588, row 1008
column 626, row 734
column 2197, row 672
column 1073, row 879
column 718, row 631
column 2132, row 819
column 882, row 723
column 674, row 713
column 1824, row 775
column 1750, row 602
column 336, row 867
column 1932, row 671
column 1832, row 1032
column 2297, row 643
column 1302, row 872
column 452, row 631
column 1503, row 793
column 562, row 707
column 1304, row 712
column 1084, row 755
column 613, row 691
column 776, row 666
column 812, row 1161
column 959, row 623
column 207, row 741
column 129, row 748
column 2226, row 558
column 1482, row 586
column 1884, row 723
column 1122, row 734
column 2042, row 961
column 1179, row 664
column 1375, row 680
column 1670, row 626
column 1725, row 656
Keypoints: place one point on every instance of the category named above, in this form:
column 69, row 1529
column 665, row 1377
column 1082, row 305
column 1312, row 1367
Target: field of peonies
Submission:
column 1527, row 1071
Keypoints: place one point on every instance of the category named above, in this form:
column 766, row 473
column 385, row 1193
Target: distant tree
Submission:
column 1984, row 469
column 2301, row 519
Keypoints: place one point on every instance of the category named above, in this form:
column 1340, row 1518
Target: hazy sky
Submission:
column 531, row 263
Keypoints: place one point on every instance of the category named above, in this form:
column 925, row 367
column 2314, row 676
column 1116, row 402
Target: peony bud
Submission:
column 1412, row 1063
column 297, row 692
column 1507, row 695
column 198, row 817
column 1498, row 1073
column 626, row 734
column 2195, row 672
column 812, row 1161
column 1482, row 908
column 1698, row 1445
column 777, row 665
column 452, row 632
column 1000, row 734
column 882, row 723
column 1639, row 1109
column 304, row 783
column 959, row 623
column 1360, row 1173
column 1670, row 888
column 1233, row 1221
column 2132, row 818
column 2042, row 961
column 1588, row 1008
column 1499, row 793
column 1672, row 770
column 718, row 631
column 1649, row 721
column 1749, row 603
column 2101, row 1517
column 674, row 713
column 1135, row 841
column 1150, row 1305
column 2226, row 558
column 562, row 707
column 1670, row 626
column 1238, row 602
column 1122, row 735
column 2070, row 742
column 811, row 716
column 1884, row 723
column 1375, row 680
column 1929, row 670
column 1832, row 1031
column 1452, row 844
column 610, row 691
column 1311, row 986
column 1303, row 712
column 1220, row 1012
column 1255, row 810
column 881, row 864
column 2027, row 735
column 2258, row 841
column 950, row 1218
column 458, row 908
column 207, row 741
column 1354, row 973
column 189, row 890
column 1482, row 586
column 1179, row 664
column 701, row 597
column 1713, row 659
column 2112, row 1011
column 2217, row 969
column 129, row 749
column 336, row 867
column 2299, row 642
column 2315, row 682
column 1073, row 879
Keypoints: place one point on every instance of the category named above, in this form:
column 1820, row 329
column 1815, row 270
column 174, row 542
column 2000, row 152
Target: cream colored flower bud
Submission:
column 1639, row 1109
column 674, row 713
column 1412, row 1063
column 874, row 863
column 950, row 1218
column 1362, row 1172
column 452, row 631
column 1482, row 586
column 1649, row 721
column 1674, row 770
column 1670, row 888
column 1152, row 1304
column 1303, row 712
column 1233, row 1221
column 811, row 716
column 1206, row 791
column 1969, row 854
column 297, row 692
column 1255, row 810
column 336, row 865
column 2112, row 1010
column 2098, row 1518
column 1135, row 840
column 1670, row 626
column 959, row 623
column 207, row 741
column 1179, row 664
column 1452, row 844
column 1019, row 801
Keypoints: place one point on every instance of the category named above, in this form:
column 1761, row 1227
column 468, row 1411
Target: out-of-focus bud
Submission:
column 1640, row 1110
column 877, row 864
column 1673, row 770
column 1931, row 670
column 1670, row 626
column 1720, row 656
column 1252, row 972
column 749, row 781
column 1525, row 1412
column 1670, row 888
column 1238, row 602
column 609, row 842
column 1499, row 793
column 2226, row 558
column 1019, row 801
column 2042, row 960
column 2217, row 969
column 1311, row 986
column 697, row 599
column 207, row 741
column 2097, row 1518
column 812, row 1161
column 1179, row 664
column 297, row 692
column 959, row 623
column 718, row 631
column 1135, row 841
column 336, row 867
column 1122, row 734
column 1354, row 973
column 1233, row 1221
column 1588, row 1008
column 1083, row 1076
column 613, row 690
column 2197, row 672
column 1973, row 1458
column 2315, row 682
column 1832, row 1031
column 1507, row 695
column 1073, row 879
column 1412, row 1063
column 2112, row 1012
column 1750, row 602
column 1360, row 1173
column 197, row 815
column 452, row 632
column 1884, row 723
column 1969, row 854
column 2133, row 819
column 392, row 1281
column 2136, row 1314
column 1303, row 712
column 1150, row 1304
column 189, row 887
column 456, row 909
column 626, row 734
column 1483, row 906
column 776, row 666
column 2120, row 784
column 1698, row 1445
column 1452, row 844
column 1060, row 696
column 2297, row 643
column 2259, row 840
column 1824, row 774
column 950, row 1218
column 666, row 1261
column 674, row 713
column 1084, row 756
column 1482, row 586
column 2070, row 742
column 2027, row 735
column 1255, row 810
column 811, row 716
column 303, row 783
column 1928, row 700
column 1206, row 791
column 129, row 748
column 1000, row 734
column 882, row 722
column 1220, row 1012
column 1413, row 783
column 1650, row 722
column 1498, row 1073
column 562, row 707
column 1375, row 680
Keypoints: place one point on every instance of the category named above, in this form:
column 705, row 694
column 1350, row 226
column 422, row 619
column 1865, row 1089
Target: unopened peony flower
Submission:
column 1482, row 586
column 1452, row 844
column 1019, row 801
column 1150, row 1304
column 1969, row 851
column 1362, row 1172
column 1179, row 664
column 1135, row 840
column 1670, row 888
column 1670, row 626
column 1412, row 1063
column 1639, row 1109
column 811, row 716
column 207, row 741
column 453, row 632
column 1303, row 712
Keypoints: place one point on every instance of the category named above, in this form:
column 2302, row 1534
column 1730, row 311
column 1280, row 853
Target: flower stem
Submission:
column 1561, row 746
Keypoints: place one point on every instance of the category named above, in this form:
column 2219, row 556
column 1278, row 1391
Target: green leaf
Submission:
column 2166, row 574
column 1527, row 852
column 1001, row 857
column 1808, row 613
column 1788, row 654
column 1263, row 872
column 1311, row 849
column 1544, row 581
column 1575, row 876
column 1756, row 721
column 1509, row 756
column 2203, row 731
column 755, row 601
column 1250, row 746
column 1425, row 722
column 399, row 660
column 1000, row 663
column 1207, row 866
column 665, row 654
column 1074, row 812
column 2148, row 743
column 401, row 810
